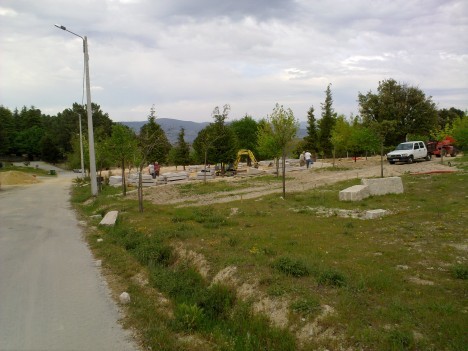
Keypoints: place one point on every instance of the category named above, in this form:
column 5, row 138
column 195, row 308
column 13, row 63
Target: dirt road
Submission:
column 52, row 297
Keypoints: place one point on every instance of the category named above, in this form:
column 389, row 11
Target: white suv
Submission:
column 408, row 152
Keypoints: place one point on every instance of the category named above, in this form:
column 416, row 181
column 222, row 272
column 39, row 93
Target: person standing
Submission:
column 157, row 168
column 151, row 170
column 308, row 158
column 302, row 159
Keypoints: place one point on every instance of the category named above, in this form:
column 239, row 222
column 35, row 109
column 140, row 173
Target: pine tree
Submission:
column 182, row 150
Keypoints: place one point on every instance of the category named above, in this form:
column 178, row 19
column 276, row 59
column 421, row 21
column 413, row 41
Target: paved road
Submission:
column 52, row 296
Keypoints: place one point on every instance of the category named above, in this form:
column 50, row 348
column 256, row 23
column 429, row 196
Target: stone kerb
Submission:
column 383, row 186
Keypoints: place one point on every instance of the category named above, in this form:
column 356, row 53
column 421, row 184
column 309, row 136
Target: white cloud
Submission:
column 187, row 57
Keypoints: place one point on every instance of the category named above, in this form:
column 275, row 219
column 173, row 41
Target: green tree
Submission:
column 181, row 152
column 341, row 136
column 123, row 145
column 162, row 146
column 28, row 141
column 246, row 132
column 7, row 131
column 448, row 116
column 278, row 134
column 311, row 139
column 49, row 150
column 326, row 123
column 217, row 142
column 408, row 107
column 460, row 132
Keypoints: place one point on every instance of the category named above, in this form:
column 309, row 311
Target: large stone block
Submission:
column 354, row 193
column 383, row 186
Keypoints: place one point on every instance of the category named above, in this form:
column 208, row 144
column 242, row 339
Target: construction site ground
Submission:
column 298, row 179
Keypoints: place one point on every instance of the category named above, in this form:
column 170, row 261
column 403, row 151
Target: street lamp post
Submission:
column 81, row 149
column 92, row 157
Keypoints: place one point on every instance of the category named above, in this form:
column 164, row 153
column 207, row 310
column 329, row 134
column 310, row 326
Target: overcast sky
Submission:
column 188, row 56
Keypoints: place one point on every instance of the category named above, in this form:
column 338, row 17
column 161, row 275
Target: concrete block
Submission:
column 383, row 186
column 114, row 180
column 373, row 214
column 209, row 174
column 110, row 218
column 354, row 193
column 169, row 177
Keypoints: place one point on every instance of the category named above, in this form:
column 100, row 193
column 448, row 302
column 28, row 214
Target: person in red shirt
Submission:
column 157, row 168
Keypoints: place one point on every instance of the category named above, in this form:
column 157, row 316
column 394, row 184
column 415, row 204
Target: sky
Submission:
column 186, row 57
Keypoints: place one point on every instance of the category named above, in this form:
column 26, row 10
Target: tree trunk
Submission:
column 381, row 159
column 124, row 186
column 140, row 190
column 283, row 157
column 204, row 168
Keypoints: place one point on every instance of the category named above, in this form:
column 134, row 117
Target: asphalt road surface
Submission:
column 52, row 296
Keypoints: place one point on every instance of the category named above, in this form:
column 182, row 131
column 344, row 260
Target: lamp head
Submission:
column 61, row 27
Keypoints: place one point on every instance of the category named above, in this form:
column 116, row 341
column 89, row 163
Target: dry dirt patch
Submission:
column 17, row 178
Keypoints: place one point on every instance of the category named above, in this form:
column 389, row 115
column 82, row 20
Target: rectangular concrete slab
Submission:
column 373, row 214
column 354, row 193
column 382, row 186
column 110, row 218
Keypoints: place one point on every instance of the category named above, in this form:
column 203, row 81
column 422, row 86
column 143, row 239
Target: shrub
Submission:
column 295, row 268
column 460, row 271
column 218, row 301
column 188, row 317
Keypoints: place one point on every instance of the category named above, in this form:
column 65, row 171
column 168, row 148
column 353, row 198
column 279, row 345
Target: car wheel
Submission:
column 391, row 162
column 428, row 157
column 410, row 159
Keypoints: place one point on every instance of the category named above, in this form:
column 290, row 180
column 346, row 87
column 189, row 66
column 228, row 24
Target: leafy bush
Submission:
column 295, row 268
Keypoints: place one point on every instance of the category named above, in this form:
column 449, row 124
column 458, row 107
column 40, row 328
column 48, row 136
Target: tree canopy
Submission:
column 409, row 108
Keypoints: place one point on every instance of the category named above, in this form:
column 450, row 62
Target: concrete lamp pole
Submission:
column 81, row 149
column 92, row 157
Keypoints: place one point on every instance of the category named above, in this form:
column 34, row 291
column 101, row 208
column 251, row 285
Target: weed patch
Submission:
column 294, row 268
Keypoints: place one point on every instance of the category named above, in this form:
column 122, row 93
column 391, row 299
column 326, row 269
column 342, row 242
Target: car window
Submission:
column 416, row 146
column 421, row 144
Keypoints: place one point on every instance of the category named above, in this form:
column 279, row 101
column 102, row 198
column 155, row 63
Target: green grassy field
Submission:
column 395, row 283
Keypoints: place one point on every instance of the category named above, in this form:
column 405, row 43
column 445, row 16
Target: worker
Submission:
column 308, row 159
column 157, row 168
column 151, row 170
column 302, row 159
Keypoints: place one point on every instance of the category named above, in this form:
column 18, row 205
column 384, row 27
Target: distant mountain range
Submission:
column 172, row 128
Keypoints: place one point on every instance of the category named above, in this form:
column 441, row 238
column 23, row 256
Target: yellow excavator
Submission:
column 251, row 161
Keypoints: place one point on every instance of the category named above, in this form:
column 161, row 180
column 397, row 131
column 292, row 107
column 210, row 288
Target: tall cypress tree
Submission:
column 311, row 139
column 327, row 123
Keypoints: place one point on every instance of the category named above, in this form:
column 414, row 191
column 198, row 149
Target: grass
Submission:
column 396, row 283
